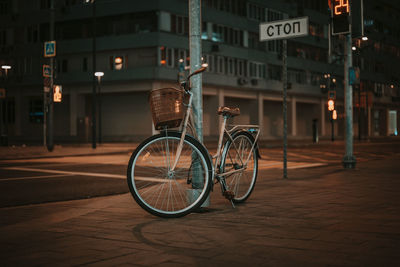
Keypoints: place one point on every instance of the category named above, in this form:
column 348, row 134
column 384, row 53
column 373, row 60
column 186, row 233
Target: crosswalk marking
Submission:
column 263, row 164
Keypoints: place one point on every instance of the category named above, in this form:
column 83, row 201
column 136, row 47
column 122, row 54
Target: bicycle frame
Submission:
column 188, row 123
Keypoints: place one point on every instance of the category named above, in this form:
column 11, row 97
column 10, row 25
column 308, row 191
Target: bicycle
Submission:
column 170, row 174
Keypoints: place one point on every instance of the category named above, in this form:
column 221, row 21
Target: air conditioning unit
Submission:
column 242, row 81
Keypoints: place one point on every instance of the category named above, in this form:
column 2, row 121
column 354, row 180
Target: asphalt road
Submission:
column 30, row 181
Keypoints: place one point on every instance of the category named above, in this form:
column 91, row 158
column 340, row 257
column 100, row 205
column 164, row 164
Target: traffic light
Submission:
column 334, row 114
column 340, row 13
column 57, row 93
column 331, row 105
column 118, row 63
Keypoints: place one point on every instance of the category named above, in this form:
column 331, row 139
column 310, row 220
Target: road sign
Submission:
column 46, row 71
column 284, row 29
column 50, row 49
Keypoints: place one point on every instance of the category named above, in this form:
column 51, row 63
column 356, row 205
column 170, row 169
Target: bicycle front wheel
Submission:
column 165, row 192
column 240, row 157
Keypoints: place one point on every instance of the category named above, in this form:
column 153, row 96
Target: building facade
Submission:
column 143, row 45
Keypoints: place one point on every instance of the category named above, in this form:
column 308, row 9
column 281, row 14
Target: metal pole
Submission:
column 359, row 113
column 99, row 82
column 50, row 119
column 195, row 63
column 6, row 111
column 44, row 118
column 284, row 81
column 94, row 77
column 1, row 121
column 349, row 161
column 333, row 127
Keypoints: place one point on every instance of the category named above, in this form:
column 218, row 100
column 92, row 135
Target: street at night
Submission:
column 320, row 215
column 199, row 133
column 37, row 178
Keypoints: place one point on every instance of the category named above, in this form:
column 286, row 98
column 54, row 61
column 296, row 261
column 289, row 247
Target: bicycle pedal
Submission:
column 229, row 195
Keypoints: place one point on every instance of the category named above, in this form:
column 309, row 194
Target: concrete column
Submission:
column 294, row 116
column 18, row 113
column 369, row 122
column 322, row 118
column 73, row 113
column 387, row 121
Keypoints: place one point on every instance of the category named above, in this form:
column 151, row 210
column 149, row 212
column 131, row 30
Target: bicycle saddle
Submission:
column 227, row 111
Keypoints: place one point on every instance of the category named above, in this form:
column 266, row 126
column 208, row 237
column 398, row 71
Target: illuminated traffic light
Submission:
column 331, row 105
column 334, row 114
column 118, row 63
column 57, row 93
column 340, row 13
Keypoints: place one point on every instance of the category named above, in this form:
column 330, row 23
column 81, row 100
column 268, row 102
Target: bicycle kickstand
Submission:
column 228, row 194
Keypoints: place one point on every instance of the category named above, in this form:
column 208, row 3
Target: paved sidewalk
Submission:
column 317, row 217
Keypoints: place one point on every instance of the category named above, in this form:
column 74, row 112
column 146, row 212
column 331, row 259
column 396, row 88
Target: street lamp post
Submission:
column 93, row 124
column 4, row 136
column 99, row 74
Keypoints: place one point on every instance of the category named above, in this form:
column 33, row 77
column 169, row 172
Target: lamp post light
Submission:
column 99, row 74
column 4, row 132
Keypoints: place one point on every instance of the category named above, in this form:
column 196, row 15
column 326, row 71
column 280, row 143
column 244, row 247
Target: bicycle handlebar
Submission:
column 185, row 83
column 196, row 72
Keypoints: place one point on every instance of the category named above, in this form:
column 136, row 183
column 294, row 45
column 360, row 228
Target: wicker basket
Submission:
column 167, row 107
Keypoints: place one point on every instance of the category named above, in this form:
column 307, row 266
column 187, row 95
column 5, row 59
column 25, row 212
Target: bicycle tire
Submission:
column 240, row 183
column 161, row 192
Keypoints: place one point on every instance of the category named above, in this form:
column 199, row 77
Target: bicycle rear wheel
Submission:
column 163, row 192
column 235, row 153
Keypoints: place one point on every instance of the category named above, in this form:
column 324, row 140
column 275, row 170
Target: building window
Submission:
column 218, row 33
column 85, row 64
column 62, row 66
column 275, row 72
column 166, row 56
column 32, row 34
column 4, row 7
column 27, row 65
column 10, row 111
column 44, row 4
column 36, row 110
column 257, row 70
column 230, row 66
column 237, row 7
column 220, row 64
column 273, row 15
column 179, row 24
column 209, row 59
column 255, row 12
column 241, row 68
column 297, row 76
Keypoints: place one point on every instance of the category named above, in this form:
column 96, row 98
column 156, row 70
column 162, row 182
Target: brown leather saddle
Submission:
column 227, row 111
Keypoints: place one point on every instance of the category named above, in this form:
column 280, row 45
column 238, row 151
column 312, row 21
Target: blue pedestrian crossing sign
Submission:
column 50, row 49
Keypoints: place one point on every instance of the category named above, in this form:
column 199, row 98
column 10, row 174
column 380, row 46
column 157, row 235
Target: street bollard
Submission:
column 315, row 130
